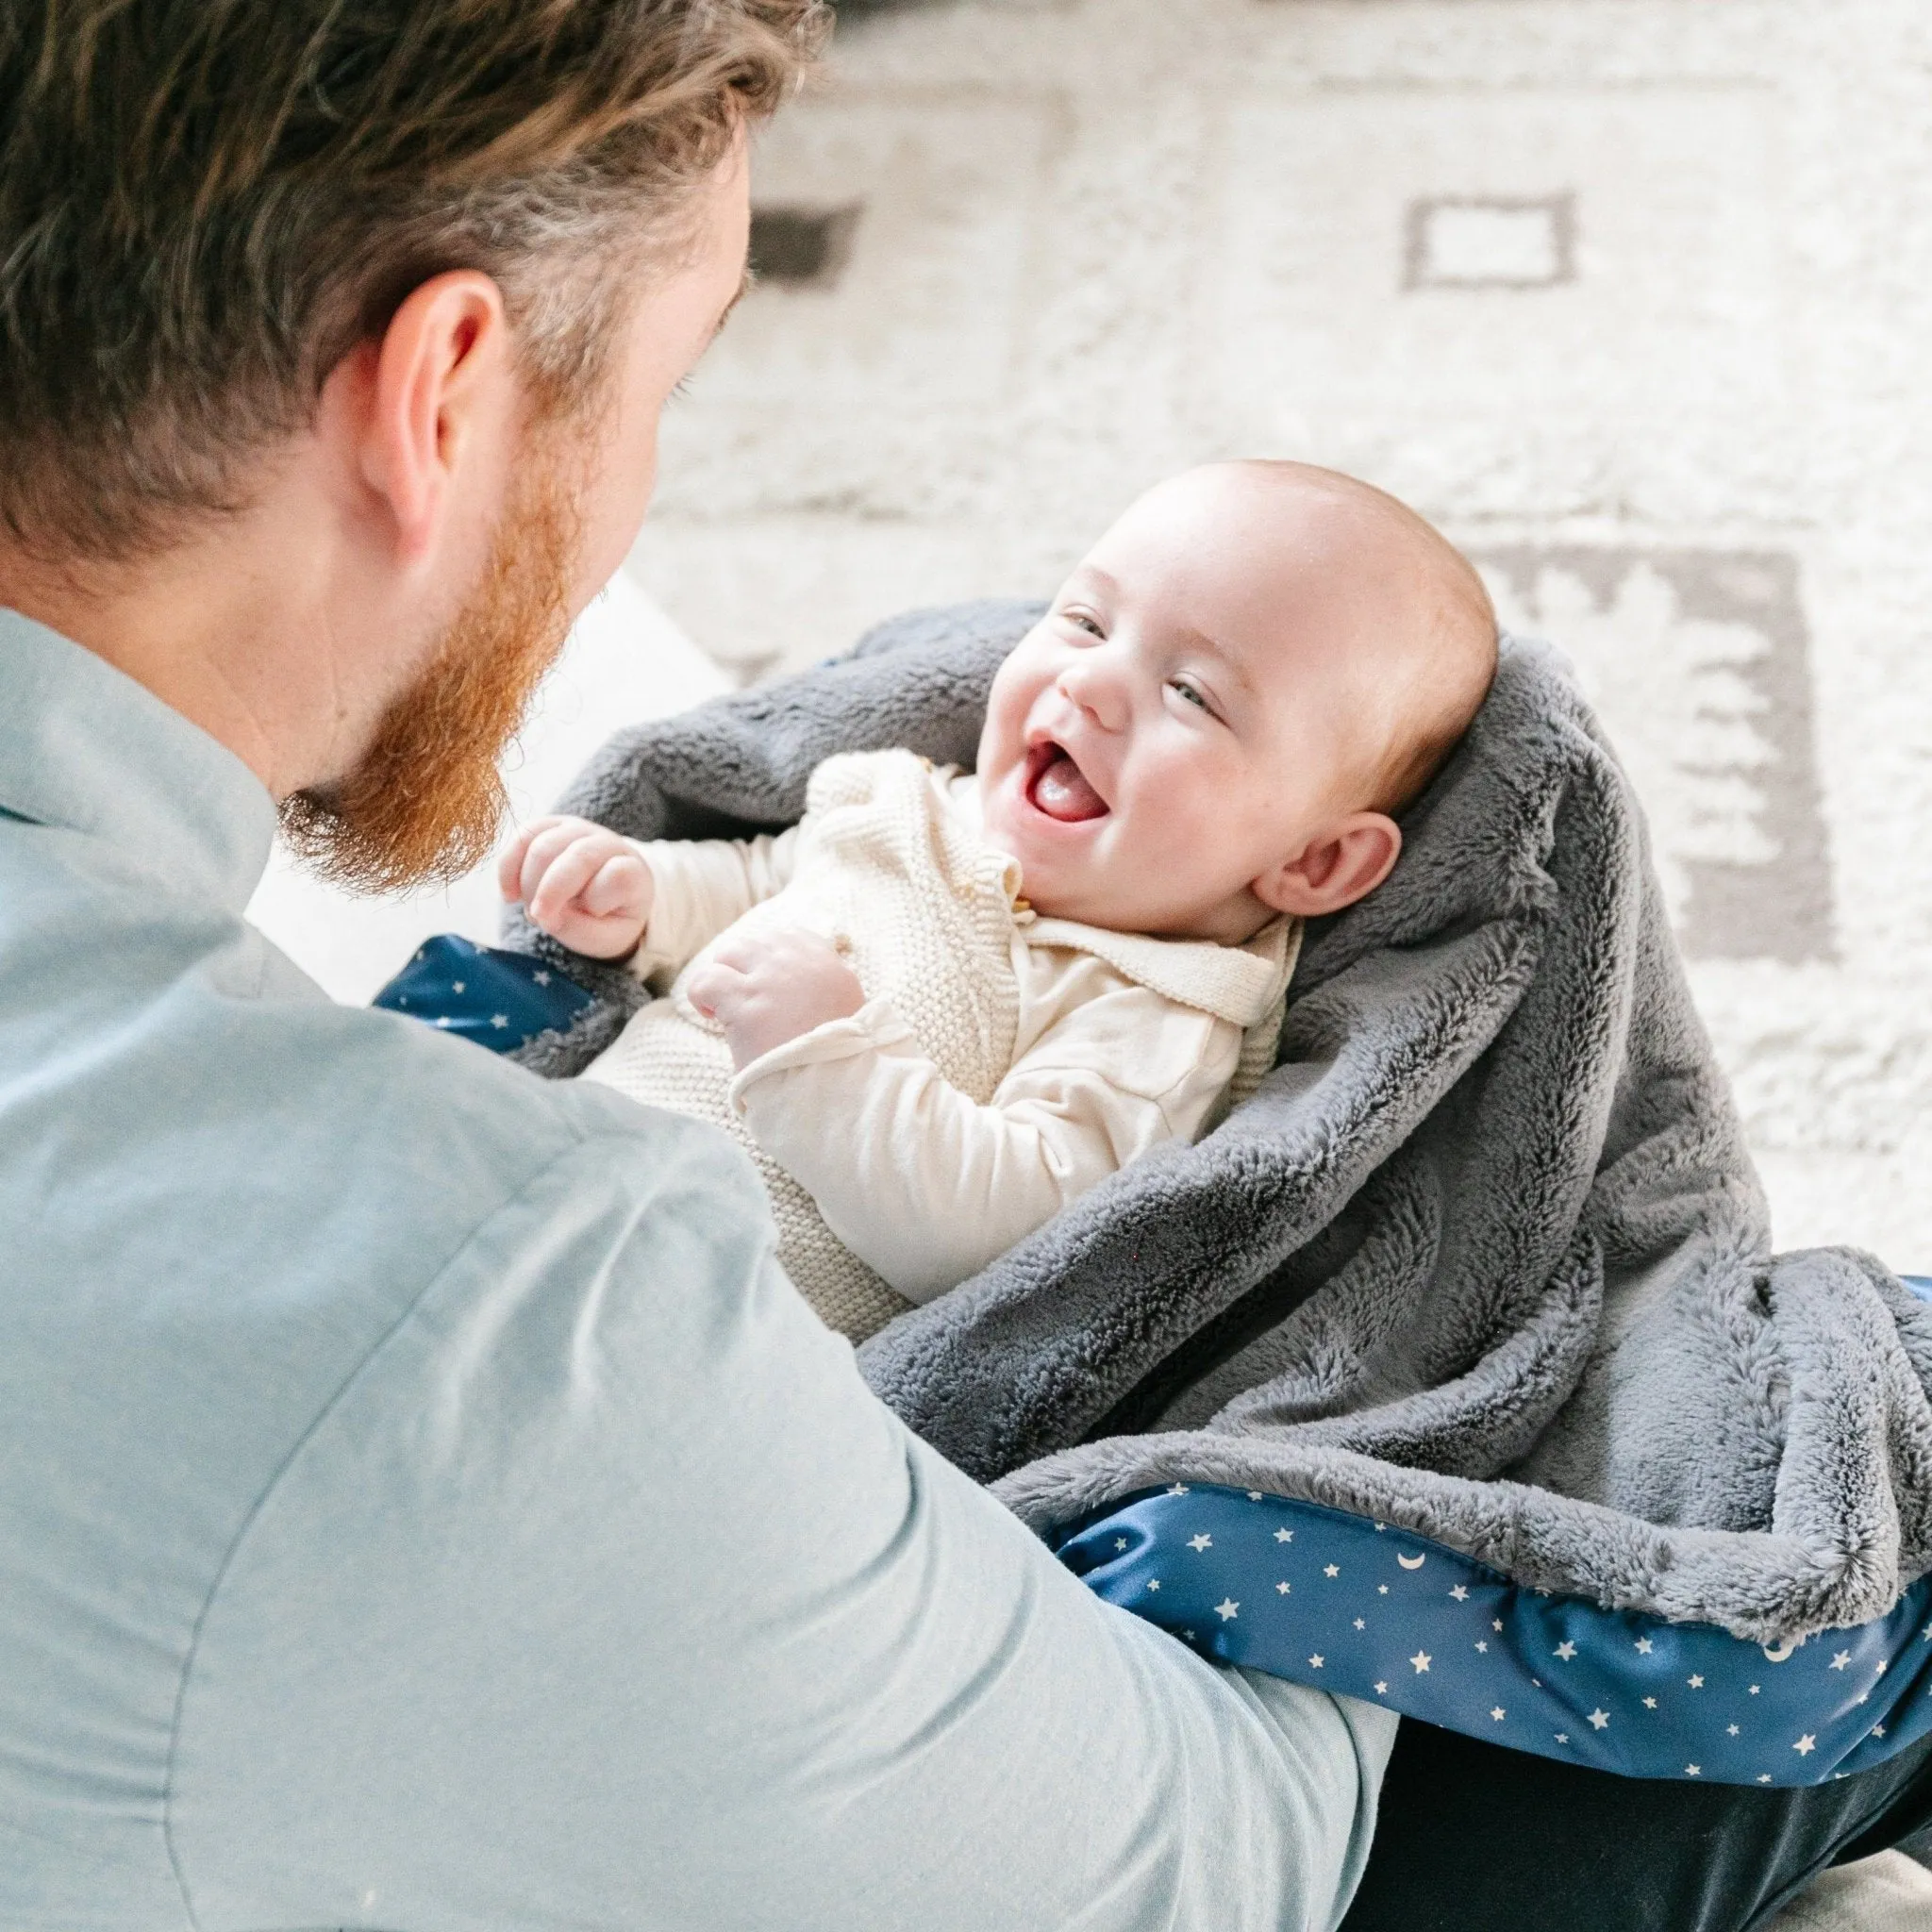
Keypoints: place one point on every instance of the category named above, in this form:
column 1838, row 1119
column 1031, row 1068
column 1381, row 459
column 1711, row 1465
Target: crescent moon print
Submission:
column 1411, row 1563
column 1781, row 1652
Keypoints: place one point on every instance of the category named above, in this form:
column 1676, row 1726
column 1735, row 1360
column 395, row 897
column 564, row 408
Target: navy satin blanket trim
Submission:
column 498, row 999
column 1342, row 1604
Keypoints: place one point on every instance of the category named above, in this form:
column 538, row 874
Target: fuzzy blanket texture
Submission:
column 1485, row 1257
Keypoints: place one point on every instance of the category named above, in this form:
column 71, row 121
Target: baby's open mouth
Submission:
column 1058, row 787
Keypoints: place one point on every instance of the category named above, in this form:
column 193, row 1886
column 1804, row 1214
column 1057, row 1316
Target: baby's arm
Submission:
column 654, row 905
column 927, row 1185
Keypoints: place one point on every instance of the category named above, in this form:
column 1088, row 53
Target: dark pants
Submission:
column 1474, row 1838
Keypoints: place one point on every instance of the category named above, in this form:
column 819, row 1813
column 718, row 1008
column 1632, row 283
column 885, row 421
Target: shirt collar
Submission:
column 83, row 746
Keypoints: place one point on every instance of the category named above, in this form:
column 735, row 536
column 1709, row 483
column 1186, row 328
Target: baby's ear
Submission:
column 1343, row 862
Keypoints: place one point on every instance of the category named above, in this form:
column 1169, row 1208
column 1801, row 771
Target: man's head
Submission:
column 1231, row 699
column 376, row 308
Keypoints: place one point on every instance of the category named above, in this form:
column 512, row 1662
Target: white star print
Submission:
column 456, row 986
column 1483, row 1647
column 1332, row 1570
column 1227, row 1610
column 1202, row 1542
column 1696, row 1683
column 1599, row 1719
column 1499, row 1713
column 1315, row 1662
column 1420, row 1661
column 1840, row 1660
column 1692, row 1770
column 1381, row 1688
column 1179, row 1489
column 1496, row 1623
column 1460, row 1593
column 442, row 1020
column 1381, row 1590
column 1754, row 1689
column 1650, row 1704
column 1878, row 1730
column 1883, row 1667
column 1120, row 1543
column 1925, row 1635
column 1644, row 1646
column 499, row 1021
column 1565, row 1650
column 541, row 978
column 1806, row 1745
column 1281, row 1590
column 1380, row 1527
column 1284, row 1536
column 1359, row 1625
column 1731, row 1729
column 1253, row 1495
column 1154, row 1583
column 1764, row 1777
column 1562, row 1737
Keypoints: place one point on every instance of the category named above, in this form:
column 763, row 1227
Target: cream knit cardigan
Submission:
column 1003, row 1063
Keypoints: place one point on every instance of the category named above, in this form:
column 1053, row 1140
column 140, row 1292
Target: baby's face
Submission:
column 1192, row 716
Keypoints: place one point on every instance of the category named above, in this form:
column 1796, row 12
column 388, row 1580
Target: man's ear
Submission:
column 420, row 399
column 1343, row 862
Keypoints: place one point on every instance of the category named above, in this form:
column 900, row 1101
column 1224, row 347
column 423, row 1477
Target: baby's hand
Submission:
column 581, row 884
column 766, row 990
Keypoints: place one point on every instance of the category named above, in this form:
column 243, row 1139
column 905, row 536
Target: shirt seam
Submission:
column 581, row 1139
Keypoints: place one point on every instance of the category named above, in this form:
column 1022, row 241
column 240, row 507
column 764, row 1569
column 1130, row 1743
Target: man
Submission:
column 423, row 1501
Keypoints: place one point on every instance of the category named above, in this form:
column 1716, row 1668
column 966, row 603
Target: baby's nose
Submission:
column 1096, row 689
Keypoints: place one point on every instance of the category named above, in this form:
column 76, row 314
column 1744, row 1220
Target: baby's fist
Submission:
column 765, row 989
column 581, row 884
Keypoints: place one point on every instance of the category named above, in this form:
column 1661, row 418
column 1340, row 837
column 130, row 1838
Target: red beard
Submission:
column 423, row 803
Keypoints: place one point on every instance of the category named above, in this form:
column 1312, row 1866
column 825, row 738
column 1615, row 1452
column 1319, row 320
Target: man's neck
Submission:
column 222, row 628
column 146, row 622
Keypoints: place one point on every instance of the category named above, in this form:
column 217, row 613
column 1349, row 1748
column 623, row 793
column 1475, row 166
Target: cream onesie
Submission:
column 1002, row 1065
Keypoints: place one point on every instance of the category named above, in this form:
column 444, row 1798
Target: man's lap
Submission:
column 1474, row 1838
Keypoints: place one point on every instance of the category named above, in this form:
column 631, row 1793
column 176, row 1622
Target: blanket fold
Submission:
column 1485, row 1257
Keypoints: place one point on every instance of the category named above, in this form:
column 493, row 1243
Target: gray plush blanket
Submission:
column 1485, row 1257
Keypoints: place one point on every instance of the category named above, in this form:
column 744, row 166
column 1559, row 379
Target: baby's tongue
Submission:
column 1061, row 792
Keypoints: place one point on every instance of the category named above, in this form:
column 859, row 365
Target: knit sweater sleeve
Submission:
column 702, row 884
column 925, row 1185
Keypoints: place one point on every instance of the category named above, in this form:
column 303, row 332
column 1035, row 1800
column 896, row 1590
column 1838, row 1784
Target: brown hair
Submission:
column 206, row 204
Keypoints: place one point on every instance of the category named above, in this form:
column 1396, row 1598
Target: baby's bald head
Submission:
column 1418, row 630
column 1229, row 698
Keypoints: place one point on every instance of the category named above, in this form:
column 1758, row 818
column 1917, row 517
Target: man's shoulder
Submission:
column 439, row 1121
column 244, row 1125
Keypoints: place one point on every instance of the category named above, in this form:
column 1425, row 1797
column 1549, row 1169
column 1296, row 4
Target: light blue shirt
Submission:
column 424, row 1504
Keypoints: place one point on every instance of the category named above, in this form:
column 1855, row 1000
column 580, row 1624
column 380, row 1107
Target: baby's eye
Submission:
column 1188, row 691
column 1083, row 621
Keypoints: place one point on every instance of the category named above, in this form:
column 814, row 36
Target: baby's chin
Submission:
column 1083, row 877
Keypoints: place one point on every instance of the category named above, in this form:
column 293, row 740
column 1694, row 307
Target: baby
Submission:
column 946, row 1004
